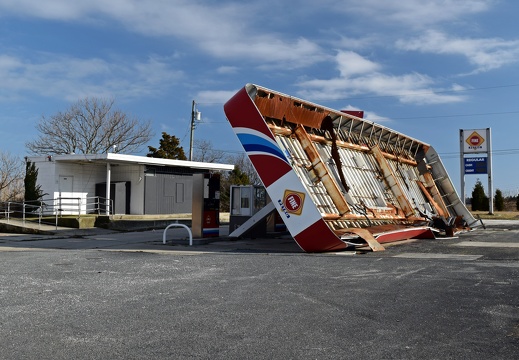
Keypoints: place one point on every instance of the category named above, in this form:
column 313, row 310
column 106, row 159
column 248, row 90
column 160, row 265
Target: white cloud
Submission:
column 408, row 88
column 416, row 13
column 49, row 9
column 484, row 54
column 229, row 30
column 227, row 70
column 368, row 115
column 268, row 50
column 216, row 97
column 72, row 78
column 355, row 43
column 351, row 63
column 222, row 29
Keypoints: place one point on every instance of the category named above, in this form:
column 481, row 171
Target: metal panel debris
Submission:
column 340, row 181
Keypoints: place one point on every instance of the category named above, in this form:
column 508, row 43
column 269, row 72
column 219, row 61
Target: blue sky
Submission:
column 424, row 68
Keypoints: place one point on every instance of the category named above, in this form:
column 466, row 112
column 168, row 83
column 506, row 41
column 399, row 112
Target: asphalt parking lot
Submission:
column 110, row 295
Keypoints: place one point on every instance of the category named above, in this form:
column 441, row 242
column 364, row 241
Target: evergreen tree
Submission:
column 517, row 202
column 499, row 201
column 479, row 199
column 169, row 148
column 238, row 177
column 33, row 191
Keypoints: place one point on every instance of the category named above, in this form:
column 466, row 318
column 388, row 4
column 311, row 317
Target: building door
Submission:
column 65, row 184
column 65, row 203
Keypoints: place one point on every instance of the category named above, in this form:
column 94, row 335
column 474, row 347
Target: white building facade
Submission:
column 135, row 184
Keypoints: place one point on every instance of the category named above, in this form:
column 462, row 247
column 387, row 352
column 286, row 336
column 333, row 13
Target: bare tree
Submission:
column 91, row 125
column 11, row 177
column 206, row 153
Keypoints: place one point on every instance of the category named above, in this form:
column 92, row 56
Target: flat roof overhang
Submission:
column 122, row 159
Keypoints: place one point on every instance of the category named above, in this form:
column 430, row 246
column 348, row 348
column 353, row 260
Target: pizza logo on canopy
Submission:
column 475, row 141
column 293, row 202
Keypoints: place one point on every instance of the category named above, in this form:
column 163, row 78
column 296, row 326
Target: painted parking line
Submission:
column 488, row 244
column 438, row 256
column 162, row 252
column 17, row 249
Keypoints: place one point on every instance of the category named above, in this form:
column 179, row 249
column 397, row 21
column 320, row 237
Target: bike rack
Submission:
column 178, row 225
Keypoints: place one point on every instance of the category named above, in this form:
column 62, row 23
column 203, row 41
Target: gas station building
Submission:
column 137, row 185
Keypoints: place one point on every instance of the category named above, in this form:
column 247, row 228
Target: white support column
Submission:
column 108, row 179
column 253, row 220
column 462, row 168
column 489, row 172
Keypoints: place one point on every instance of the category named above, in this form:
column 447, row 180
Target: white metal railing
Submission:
column 55, row 208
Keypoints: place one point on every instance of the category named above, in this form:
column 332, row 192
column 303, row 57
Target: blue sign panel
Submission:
column 476, row 165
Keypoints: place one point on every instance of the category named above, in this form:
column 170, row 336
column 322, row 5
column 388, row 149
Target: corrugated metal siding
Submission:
column 168, row 193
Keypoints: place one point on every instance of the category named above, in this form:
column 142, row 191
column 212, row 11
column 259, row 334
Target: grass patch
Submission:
column 71, row 221
column 497, row 215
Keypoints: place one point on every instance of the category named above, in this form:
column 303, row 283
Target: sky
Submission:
column 423, row 68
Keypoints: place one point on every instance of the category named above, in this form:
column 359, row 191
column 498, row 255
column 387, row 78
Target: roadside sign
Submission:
column 472, row 143
column 476, row 165
column 475, row 141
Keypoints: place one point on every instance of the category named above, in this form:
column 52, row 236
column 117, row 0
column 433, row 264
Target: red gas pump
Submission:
column 206, row 205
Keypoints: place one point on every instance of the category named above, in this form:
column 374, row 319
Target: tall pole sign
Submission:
column 476, row 158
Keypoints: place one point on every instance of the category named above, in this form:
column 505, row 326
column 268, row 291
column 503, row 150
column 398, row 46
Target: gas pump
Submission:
column 206, row 205
column 246, row 202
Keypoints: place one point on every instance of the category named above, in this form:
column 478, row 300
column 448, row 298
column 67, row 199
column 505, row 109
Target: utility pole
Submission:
column 195, row 116
column 192, row 131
